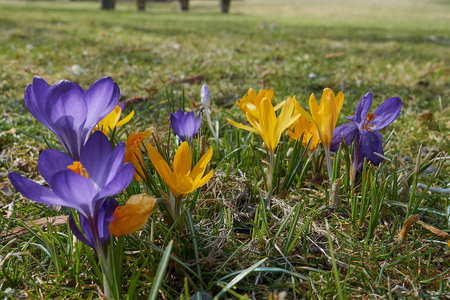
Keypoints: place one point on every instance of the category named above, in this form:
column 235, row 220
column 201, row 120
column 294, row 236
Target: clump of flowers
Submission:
column 270, row 127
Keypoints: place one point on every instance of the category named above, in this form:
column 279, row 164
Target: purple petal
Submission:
column 180, row 114
column 386, row 113
column 105, row 216
column 52, row 161
column 372, row 142
column 363, row 109
column 34, row 191
column 35, row 98
column 76, row 231
column 76, row 191
column 114, row 164
column 64, row 99
column 347, row 131
column 119, row 182
column 190, row 124
column 94, row 156
column 71, row 138
column 101, row 98
column 177, row 124
column 122, row 105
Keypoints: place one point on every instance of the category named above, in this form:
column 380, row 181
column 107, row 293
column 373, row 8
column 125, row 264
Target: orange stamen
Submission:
column 366, row 125
column 77, row 167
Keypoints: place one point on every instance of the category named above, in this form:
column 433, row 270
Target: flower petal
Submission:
column 133, row 216
column 65, row 99
column 105, row 217
column 241, row 126
column 161, row 166
column 34, row 191
column 386, row 113
column 177, row 124
column 126, row 119
column 372, row 142
column 101, row 98
column 76, row 191
column 204, row 180
column 118, row 183
column 97, row 149
column 182, row 162
column 363, row 109
column 52, row 161
column 35, row 98
column 77, row 232
column 199, row 169
column 347, row 131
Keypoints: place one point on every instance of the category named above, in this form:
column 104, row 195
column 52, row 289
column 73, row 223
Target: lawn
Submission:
column 309, row 240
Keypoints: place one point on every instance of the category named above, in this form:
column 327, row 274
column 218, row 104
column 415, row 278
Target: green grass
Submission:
column 387, row 51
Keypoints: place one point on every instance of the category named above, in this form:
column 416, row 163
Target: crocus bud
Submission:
column 133, row 215
column 205, row 97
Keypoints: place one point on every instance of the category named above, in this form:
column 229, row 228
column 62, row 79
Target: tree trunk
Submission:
column 184, row 5
column 108, row 4
column 141, row 5
column 225, row 6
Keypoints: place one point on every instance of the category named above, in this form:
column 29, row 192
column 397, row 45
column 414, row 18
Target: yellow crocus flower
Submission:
column 324, row 115
column 133, row 152
column 111, row 121
column 182, row 180
column 133, row 215
column 305, row 127
column 267, row 125
column 250, row 104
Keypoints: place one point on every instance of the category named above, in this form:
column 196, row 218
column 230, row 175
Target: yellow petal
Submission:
column 268, row 122
column 126, row 119
column 240, row 125
column 199, row 169
column 184, row 187
column 313, row 107
column 338, row 105
column 133, row 215
column 305, row 114
column 182, row 161
column 161, row 167
column 204, row 180
column 133, row 151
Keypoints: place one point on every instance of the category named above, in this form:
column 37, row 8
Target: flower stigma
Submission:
column 366, row 125
column 78, row 168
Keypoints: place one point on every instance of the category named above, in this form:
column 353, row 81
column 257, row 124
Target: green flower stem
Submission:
column 270, row 171
column 105, row 265
column 329, row 166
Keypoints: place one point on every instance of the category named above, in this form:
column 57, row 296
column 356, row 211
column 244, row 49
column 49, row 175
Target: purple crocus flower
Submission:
column 82, row 185
column 185, row 125
column 70, row 112
column 363, row 128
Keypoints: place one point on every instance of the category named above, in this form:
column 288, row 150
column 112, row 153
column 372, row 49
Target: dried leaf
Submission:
column 334, row 55
column 42, row 222
column 406, row 225
column 434, row 230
